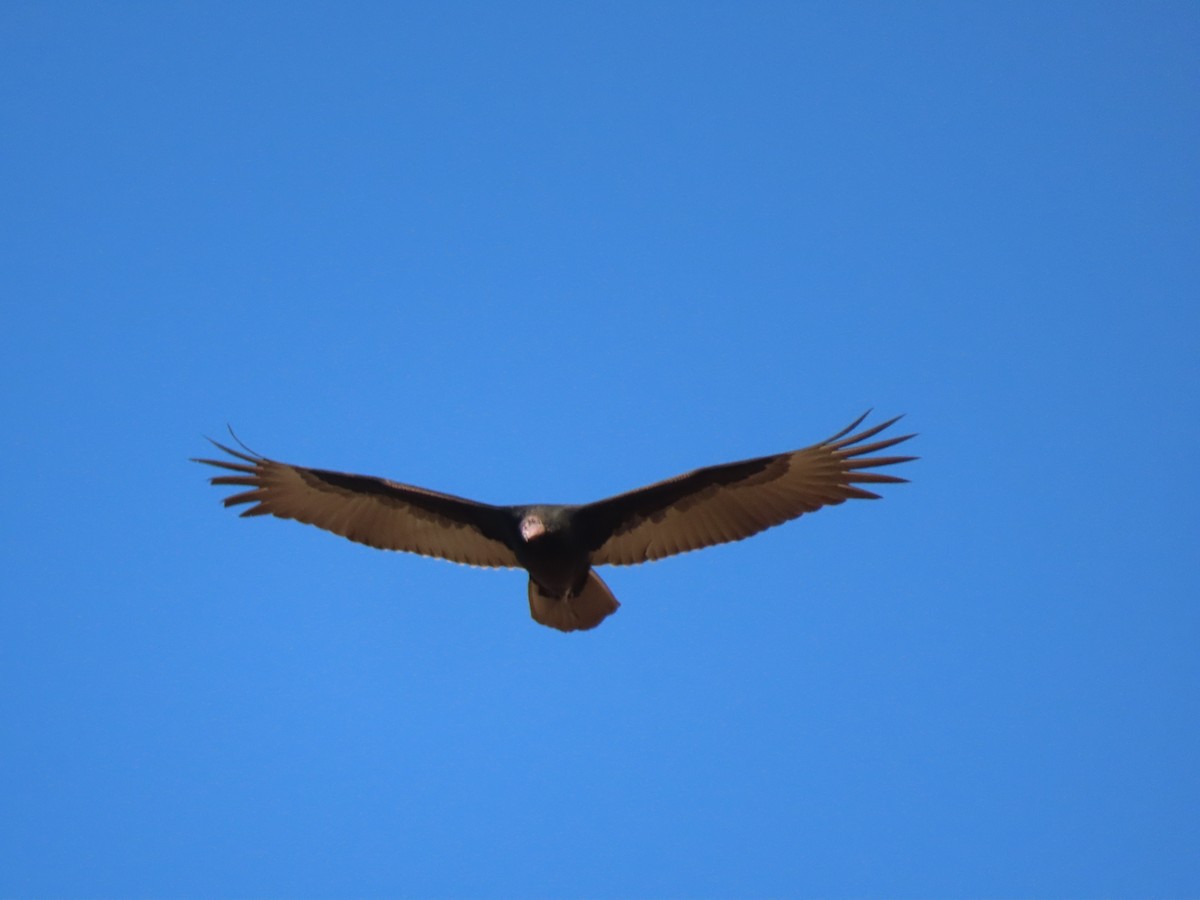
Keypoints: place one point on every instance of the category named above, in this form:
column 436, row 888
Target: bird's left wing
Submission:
column 372, row 511
column 733, row 501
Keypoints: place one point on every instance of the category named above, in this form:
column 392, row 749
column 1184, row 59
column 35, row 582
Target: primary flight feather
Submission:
column 559, row 544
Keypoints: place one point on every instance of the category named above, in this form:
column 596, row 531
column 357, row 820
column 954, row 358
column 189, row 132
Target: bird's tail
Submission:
column 587, row 609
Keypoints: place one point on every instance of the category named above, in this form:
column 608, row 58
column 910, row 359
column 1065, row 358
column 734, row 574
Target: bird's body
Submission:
column 559, row 544
column 548, row 548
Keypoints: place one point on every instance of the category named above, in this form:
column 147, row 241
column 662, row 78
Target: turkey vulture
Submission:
column 557, row 544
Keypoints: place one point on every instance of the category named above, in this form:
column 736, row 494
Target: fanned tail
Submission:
column 587, row 609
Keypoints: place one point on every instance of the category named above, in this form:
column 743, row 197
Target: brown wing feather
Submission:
column 372, row 511
column 733, row 501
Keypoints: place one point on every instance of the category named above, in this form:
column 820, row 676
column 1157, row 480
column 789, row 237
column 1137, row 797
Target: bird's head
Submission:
column 532, row 527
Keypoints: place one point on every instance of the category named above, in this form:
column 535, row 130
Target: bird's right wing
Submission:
column 733, row 501
column 372, row 511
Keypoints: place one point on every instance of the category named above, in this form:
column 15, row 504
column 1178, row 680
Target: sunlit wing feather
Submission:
column 736, row 500
column 372, row 511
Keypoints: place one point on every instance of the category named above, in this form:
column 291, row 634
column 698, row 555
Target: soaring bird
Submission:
column 559, row 544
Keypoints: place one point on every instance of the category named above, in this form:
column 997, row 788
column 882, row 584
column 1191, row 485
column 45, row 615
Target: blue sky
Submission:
column 549, row 252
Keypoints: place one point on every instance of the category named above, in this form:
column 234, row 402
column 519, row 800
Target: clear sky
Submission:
column 549, row 252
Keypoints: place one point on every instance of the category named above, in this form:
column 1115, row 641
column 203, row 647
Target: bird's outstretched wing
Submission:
column 372, row 511
column 733, row 501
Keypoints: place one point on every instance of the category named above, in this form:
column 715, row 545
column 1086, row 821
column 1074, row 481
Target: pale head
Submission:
column 532, row 527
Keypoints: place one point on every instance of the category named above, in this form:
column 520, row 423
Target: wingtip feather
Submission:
column 244, row 497
column 849, row 428
column 861, row 436
column 871, row 462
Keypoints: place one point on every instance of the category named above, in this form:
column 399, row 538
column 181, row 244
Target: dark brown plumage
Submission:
column 556, row 544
